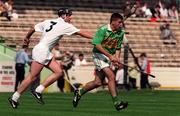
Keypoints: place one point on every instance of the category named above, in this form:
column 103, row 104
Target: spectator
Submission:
column 126, row 8
column 146, row 11
column 9, row 7
column 166, row 34
column 133, row 74
column 80, row 61
column 163, row 11
column 145, row 67
column 3, row 11
column 21, row 59
column 173, row 13
column 120, row 78
column 2, row 7
column 156, row 12
column 14, row 15
column 138, row 12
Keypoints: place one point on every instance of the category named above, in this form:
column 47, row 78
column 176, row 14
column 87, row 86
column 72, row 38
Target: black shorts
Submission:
column 100, row 74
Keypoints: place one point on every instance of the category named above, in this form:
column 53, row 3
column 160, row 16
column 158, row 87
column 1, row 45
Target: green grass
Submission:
column 142, row 103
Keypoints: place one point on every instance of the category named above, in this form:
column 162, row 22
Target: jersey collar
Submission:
column 109, row 28
column 60, row 18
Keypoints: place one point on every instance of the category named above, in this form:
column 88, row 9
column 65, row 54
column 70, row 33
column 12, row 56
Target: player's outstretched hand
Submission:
column 118, row 65
column 113, row 59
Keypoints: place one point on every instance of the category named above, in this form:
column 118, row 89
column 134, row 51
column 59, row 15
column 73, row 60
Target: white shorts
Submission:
column 101, row 61
column 41, row 54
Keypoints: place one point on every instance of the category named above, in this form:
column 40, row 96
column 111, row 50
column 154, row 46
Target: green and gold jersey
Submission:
column 110, row 41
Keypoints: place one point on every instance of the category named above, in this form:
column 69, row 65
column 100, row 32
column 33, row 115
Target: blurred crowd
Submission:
column 6, row 10
column 161, row 10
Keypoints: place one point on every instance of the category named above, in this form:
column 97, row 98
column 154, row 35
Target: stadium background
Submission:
column 89, row 14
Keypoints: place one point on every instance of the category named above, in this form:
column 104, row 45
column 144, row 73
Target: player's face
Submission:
column 117, row 24
column 68, row 18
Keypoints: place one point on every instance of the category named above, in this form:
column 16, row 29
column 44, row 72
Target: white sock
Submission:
column 16, row 96
column 40, row 89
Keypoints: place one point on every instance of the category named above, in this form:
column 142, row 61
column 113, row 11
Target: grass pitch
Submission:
column 141, row 103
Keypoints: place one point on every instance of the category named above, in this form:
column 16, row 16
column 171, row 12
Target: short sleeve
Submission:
column 40, row 26
column 99, row 36
column 70, row 29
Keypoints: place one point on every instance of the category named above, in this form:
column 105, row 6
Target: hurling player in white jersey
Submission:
column 52, row 32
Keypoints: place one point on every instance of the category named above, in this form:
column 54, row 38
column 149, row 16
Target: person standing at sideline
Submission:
column 81, row 61
column 52, row 31
column 120, row 78
column 21, row 59
column 107, row 48
column 145, row 66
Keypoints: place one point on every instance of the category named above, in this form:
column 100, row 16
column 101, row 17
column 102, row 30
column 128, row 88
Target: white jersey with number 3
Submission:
column 52, row 32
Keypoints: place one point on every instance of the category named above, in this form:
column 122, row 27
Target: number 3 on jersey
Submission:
column 51, row 26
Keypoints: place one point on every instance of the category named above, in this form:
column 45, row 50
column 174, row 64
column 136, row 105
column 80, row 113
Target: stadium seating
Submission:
column 88, row 15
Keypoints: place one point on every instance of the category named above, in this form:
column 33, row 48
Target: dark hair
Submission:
column 157, row 6
column 25, row 46
column 57, row 44
column 143, row 55
column 64, row 11
column 116, row 16
column 81, row 54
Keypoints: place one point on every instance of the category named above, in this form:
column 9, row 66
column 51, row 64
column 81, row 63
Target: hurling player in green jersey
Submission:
column 107, row 48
